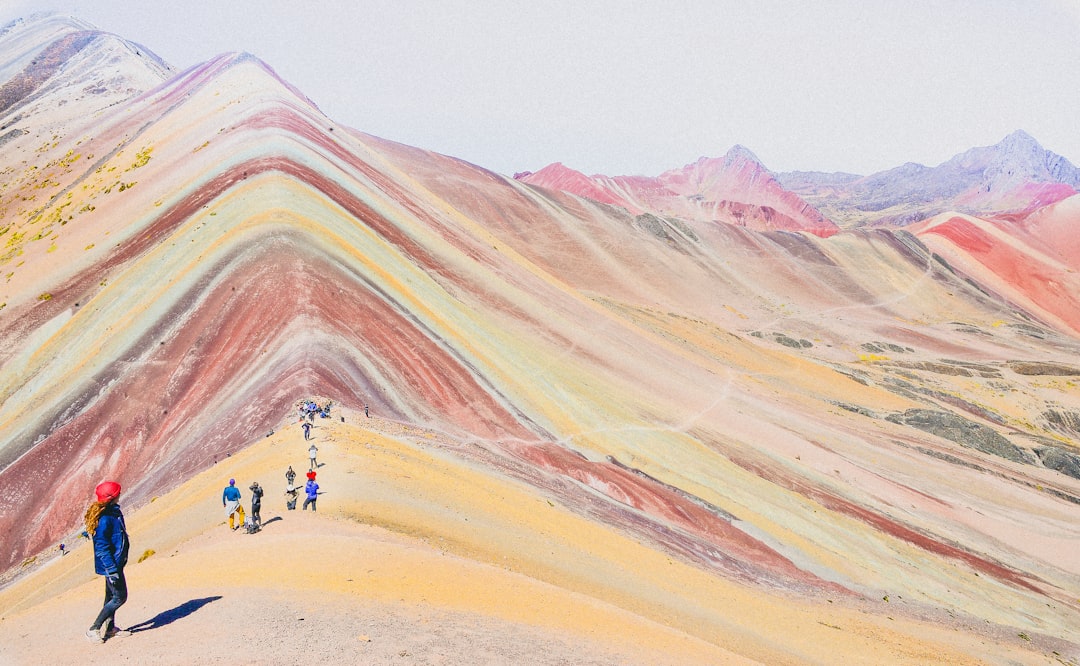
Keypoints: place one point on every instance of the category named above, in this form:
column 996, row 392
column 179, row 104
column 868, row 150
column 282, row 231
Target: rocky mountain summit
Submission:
column 61, row 67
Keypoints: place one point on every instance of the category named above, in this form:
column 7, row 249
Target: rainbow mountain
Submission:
column 858, row 412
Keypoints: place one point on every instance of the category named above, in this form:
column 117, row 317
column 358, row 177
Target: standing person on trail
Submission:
column 256, row 503
column 290, row 476
column 291, row 494
column 312, row 452
column 230, row 499
column 105, row 525
column 312, row 491
column 307, row 430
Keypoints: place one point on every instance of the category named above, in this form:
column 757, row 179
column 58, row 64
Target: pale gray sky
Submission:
column 636, row 87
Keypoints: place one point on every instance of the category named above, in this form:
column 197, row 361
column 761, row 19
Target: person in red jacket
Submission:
column 105, row 525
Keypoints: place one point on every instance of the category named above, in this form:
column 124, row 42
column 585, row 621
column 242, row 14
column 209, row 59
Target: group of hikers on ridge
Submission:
column 104, row 522
column 309, row 408
column 105, row 527
column 230, row 497
column 234, row 508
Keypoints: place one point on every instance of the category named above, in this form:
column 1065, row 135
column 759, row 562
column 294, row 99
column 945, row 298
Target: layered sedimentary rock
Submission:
column 182, row 264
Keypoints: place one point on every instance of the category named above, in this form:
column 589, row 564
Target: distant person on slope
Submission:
column 230, row 499
column 292, row 493
column 290, row 476
column 312, row 491
column 312, row 452
column 307, row 430
column 105, row 525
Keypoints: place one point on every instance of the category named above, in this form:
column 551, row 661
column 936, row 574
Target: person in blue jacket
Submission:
column 312, row 492
column 105, row 525
column 230, row 499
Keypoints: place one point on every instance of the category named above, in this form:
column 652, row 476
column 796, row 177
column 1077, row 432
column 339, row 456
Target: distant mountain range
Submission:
column 736, row 189
column 1011, row 178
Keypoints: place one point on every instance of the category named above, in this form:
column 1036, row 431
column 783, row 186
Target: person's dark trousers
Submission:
column 309, row 501
column 115, row 596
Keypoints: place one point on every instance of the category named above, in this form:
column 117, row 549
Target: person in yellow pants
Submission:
column 230, row 499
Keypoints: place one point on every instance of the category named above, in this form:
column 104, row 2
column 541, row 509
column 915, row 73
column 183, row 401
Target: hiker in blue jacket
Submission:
column 312, row 492
column 230, row 499
column 105, row 525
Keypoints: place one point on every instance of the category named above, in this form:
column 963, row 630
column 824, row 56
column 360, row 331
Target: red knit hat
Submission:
column 311, row 474
column 107, row 490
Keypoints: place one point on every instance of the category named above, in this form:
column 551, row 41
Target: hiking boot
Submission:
column 94, row 636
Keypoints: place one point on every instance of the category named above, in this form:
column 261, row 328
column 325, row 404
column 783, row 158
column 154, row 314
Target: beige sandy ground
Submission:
column 420, row 557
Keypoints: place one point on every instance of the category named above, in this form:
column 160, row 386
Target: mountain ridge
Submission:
column 734, row 189
column 104, row 74
column 1014, row 177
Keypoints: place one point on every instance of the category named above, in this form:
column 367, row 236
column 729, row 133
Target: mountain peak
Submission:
column 1020, row 146
column 46, row 17
column 741, row 154
column 1020, row 138
column 558, row 176
column 737, row 157
column 1019, row 157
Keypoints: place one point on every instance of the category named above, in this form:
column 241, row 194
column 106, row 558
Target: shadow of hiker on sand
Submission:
column 165, row 617
column 272, row 520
